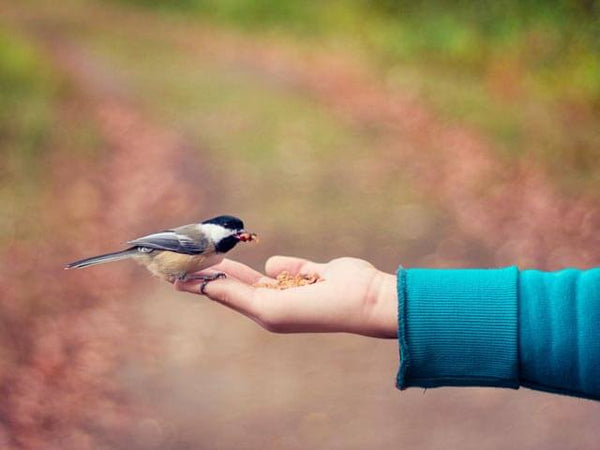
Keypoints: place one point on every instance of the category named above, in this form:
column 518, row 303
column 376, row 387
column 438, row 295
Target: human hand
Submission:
column 354, row 296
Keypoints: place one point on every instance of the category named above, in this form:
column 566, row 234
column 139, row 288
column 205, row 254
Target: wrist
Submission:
column 385, row 305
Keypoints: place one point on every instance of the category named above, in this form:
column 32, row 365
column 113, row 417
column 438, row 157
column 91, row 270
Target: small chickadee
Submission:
column 176, row 254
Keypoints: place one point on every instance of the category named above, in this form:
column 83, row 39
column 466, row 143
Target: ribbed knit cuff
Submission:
column 458, row 327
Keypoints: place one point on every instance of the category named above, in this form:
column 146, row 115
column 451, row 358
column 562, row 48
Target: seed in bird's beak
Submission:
column 245, row 236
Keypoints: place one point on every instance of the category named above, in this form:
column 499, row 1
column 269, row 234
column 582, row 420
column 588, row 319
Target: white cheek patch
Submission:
column 215, row 232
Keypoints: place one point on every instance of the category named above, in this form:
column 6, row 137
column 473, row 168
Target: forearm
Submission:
column 500, row 327
column 559, row 337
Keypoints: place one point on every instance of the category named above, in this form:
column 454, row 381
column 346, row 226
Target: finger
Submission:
column 265, row 280
column 238, row 270
column 227, row 291
column 277, row 264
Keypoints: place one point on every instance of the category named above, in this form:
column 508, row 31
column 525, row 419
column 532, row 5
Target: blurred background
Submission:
column 434, row 134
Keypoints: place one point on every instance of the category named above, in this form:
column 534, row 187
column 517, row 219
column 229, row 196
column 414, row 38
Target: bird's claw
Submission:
column 205, row 279
column 196, row 276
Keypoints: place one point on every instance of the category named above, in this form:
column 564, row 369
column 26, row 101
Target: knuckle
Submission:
column 351, row 262
column 223, row 297
column 344, row 259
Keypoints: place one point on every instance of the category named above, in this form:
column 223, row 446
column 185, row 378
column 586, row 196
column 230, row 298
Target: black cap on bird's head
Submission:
column 234, row 232
column 229, row 222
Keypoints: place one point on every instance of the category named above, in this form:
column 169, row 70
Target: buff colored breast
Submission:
column 170, row 265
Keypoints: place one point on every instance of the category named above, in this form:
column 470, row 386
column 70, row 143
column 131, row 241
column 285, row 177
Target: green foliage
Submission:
column 555, row 42
column 515, row 69
column 26, row 92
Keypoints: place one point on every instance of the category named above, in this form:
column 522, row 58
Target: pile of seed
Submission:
column 285, row 280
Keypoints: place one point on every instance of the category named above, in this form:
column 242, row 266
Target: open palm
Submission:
column 353, row 297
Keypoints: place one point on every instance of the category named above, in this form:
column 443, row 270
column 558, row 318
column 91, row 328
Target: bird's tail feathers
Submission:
column 100, row 259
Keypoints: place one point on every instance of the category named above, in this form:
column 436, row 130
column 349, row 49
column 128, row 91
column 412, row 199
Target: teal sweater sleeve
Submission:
column 500, row 327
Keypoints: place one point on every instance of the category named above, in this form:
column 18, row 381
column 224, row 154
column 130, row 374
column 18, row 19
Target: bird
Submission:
column 178, row 253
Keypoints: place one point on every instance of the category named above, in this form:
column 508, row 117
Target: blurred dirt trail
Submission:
column 66, row 330
column 513, row 208
column 150, row 169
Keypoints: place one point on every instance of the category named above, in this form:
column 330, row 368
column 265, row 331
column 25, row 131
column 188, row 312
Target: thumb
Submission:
column 277, row 264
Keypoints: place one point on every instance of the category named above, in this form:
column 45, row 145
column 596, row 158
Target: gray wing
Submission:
column 186, row 239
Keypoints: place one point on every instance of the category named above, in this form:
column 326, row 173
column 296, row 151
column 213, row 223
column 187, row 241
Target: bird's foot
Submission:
column 207, row 278
column 204, row 278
